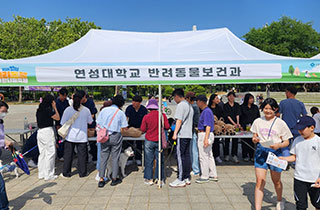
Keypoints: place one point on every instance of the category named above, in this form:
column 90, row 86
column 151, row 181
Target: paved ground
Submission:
column 235, row 190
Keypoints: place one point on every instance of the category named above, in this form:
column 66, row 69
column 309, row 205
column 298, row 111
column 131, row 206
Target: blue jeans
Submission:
column 3, row 195
column 150, row 153
column 194, row 154
column 98, row 155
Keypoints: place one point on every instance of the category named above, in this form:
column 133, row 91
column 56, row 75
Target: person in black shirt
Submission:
column 232, row 116
column 249, row 112
column 61, row 103
column 135, row 113
column 217, row 111
column 46, row 113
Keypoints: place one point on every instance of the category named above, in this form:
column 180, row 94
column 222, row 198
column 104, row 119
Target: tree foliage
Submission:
column 288, row 37
column 24, row 37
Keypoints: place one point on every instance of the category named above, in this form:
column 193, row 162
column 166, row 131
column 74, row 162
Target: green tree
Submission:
column 291, row 69
column 288, row 37
column 24, row 37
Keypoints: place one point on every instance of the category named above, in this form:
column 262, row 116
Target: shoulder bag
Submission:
column 64, row 130
column 102, row 133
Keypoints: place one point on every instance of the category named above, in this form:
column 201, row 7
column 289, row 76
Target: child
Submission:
column 305, row 152
column 270, row 134
column 316, row 116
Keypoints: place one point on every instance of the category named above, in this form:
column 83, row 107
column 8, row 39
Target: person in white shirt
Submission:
column 316, row 116
column 305, row 152
column 77, row 136
column 270, row 133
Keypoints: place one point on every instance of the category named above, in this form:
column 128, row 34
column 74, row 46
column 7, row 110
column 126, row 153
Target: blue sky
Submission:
column 167, row 15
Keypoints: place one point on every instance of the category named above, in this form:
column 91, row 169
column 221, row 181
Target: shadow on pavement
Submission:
column 35, row 193
column 269, row 197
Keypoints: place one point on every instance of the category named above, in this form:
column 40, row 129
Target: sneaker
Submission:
column 280, row 205
column 235, row 159
column 213, row 179
column 187, row 181
column 194, row 174
column 246, row 159
column 218, row 160
column 148, row 182
column 201, row 180
column 101, row 184
column 51, row 178
column 61, row 159
column 227, row 158
column 115, row 182
column 32, row 164
column 177, row 183
column 138, row 162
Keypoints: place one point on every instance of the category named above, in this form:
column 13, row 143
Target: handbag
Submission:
column 164, row 141
column 102, row 133
column 64, row 130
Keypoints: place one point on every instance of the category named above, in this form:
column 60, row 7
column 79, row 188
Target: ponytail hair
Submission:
column 77, row 101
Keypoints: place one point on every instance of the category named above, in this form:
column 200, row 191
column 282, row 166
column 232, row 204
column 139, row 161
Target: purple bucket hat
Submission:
column 152, row 104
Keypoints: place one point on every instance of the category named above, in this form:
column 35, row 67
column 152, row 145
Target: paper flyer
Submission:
column 275, row 161
column 267, row 143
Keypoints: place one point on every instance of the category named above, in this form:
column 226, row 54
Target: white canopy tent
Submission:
column 105, row 57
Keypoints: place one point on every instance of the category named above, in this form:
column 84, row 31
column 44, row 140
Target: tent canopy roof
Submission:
column 106, row 46
column 316, row 56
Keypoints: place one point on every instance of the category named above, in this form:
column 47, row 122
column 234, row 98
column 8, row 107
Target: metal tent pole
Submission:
column 159, row 137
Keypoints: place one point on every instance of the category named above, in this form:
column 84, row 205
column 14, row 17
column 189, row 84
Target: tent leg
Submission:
column 159, row 138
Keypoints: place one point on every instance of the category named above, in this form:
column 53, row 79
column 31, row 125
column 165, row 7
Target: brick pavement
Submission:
column 235, row 190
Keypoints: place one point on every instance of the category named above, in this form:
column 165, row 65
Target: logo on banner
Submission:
column 12, row 74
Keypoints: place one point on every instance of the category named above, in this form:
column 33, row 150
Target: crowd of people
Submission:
column 283, row 129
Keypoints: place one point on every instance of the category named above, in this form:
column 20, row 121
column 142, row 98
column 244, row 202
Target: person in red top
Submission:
column 150, row 126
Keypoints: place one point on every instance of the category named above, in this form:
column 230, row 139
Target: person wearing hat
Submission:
column 232, row 111
column 205, row 141
column 305, row 151
column 150, row 126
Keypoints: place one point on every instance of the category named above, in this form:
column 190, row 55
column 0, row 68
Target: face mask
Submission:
column 2, row 115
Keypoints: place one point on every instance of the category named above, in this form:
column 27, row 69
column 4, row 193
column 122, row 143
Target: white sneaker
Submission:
column 246, row 159
column 148, row 182
column 227, row 158
column 177, row 183
column 97, row 177
column 235, row 159
column 218, row 160
column 51, row 178
column 280, row 205
column 32, row 164
column 187, row 181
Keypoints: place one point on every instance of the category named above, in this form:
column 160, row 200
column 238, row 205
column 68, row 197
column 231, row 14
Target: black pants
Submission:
column 93, row 150
column 183, row 158
column 234, row 150
column 246, row 150
column 301, row 189
column 82, row 150
column 216, row 148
